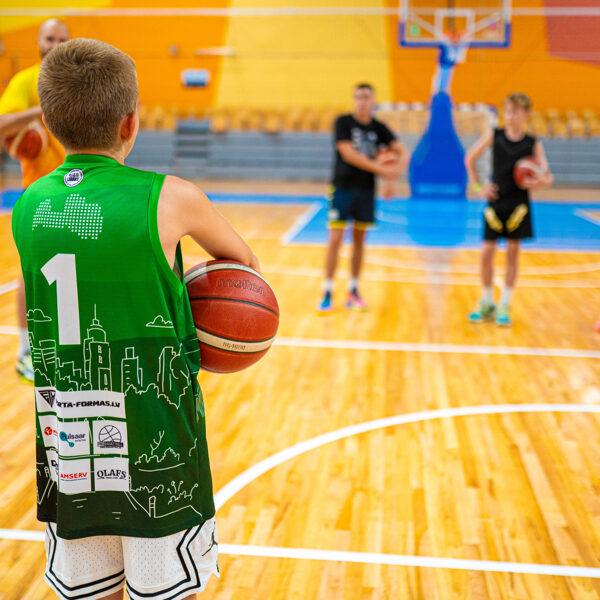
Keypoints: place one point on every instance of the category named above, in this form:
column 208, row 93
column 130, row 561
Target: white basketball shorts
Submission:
column 164, row 568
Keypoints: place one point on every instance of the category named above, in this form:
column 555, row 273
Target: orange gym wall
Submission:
column 146, row 39
column 314, row 61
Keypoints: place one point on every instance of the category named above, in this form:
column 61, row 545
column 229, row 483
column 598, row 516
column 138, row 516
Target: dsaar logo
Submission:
column 71, row 438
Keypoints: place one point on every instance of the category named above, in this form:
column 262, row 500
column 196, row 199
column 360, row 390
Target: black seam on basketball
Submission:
column 234, row 300
column 231, row 351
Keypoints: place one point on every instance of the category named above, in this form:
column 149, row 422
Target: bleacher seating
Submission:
column 296, row 143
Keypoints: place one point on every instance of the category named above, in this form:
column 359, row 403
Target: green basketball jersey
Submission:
column 120, row 433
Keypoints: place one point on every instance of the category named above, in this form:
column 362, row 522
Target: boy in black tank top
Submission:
column 507, row 214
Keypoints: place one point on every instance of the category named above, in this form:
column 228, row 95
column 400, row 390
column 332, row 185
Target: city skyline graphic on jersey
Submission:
column 82, row 411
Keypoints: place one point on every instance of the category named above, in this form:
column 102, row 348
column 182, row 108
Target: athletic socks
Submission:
column 487, row 295
column 506, row 297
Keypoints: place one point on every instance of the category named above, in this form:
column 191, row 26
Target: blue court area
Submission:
column 428, row 222
column 452, row 223
column 443, row 223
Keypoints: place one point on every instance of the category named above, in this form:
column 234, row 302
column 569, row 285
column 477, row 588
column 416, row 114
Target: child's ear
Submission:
column 129, row 126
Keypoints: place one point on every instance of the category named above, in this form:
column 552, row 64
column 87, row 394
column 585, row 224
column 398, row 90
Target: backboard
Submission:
column 476, row 23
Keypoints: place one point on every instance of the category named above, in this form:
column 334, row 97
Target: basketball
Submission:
column 27, row 143
column 235, row 312
column 526, row 167
column 386, row 156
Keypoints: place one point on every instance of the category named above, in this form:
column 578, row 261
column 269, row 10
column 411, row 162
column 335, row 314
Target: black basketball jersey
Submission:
column 505, row 154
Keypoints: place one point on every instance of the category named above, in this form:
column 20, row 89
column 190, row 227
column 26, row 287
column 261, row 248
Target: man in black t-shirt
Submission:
column 359, row 142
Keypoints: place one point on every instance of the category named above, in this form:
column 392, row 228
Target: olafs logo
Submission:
column 111, row 474
column 49, row 396
column 73, row 177
column 74, row 476
column 110, row 437
column 71, row 438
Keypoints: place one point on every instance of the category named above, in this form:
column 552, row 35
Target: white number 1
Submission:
column 61, row 268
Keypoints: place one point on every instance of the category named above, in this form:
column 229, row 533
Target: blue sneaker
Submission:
column 326, row 305
column 484, row 312
column 503, row 317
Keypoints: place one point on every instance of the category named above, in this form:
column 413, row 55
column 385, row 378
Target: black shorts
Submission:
column 351, row 204
column 509, row 221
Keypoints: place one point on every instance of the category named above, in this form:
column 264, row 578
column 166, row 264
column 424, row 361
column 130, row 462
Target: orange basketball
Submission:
column 386, row 156
column 235, row 312
column 527, row 167
column 27, row 143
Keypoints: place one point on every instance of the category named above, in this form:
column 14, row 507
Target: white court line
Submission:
column 439, row 267
column 242, row 480
column 427, row 279
column 470, row 248
column 409, row 561
column 249, row 475
column 21, row 534
column 585, row 214
column 433, row 348
column 371, row 558
column 8, row 330
column 9, row 287
column 414, row 347
column 300, row 222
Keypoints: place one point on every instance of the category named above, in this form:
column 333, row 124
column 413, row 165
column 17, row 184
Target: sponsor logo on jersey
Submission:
column 48, row 395
column 50, row 431
column 90, row 403
column 73, row 177
column 71, row 438
column 110, row 437
column 111, row 474
column 74, row 476
column 245, row 284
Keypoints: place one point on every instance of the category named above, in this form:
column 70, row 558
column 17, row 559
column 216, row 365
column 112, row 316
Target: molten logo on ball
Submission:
column 245, row 284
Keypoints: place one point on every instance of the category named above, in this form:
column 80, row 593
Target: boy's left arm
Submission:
column 546, row 178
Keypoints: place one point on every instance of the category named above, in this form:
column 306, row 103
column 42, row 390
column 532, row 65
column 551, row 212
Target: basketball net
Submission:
column 453, row 50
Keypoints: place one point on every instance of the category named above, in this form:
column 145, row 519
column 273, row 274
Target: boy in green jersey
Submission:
column 123, row 477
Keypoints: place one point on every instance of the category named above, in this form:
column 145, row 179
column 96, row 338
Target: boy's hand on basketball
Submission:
column 254, row 264
column 489, row 192
column 535, row 182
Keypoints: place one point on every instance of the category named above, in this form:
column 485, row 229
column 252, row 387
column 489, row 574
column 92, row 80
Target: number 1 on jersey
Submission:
column 61, row 268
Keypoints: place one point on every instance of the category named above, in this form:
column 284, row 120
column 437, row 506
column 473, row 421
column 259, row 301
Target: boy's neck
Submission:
column 118, row 155
column 362, row 118
column 515, row 133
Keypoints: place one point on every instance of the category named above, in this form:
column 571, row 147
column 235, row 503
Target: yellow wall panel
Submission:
column 303, row 60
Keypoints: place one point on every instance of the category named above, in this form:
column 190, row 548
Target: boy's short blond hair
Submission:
column 86, row 87
column 519, row 100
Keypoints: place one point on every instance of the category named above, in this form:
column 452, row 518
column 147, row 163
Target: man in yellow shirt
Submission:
column 19, row 105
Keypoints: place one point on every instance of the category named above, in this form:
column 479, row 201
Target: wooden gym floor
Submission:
column 478, row 481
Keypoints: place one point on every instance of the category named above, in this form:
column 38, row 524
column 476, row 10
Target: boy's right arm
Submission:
column 183, row 209
column 15, row 108
column 489, row 191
